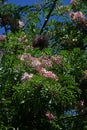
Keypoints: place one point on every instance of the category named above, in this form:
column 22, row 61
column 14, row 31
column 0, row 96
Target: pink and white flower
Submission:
column 47, row 74
column 72, row 2
column 2, row 37
column 26, row 76
column 35, row 62
column 21, row 24
column 78, row 17
column 50, row 116
column 82, row 102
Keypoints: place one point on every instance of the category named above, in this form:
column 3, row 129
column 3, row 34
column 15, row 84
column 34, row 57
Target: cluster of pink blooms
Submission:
column 26, row 76
column 40, row 63
column 2, row 37
column 78, row 17
column 35, row 62
column 47, row 74
column 81, row 102
column 60, row 7
column 26, row 57
column 45, row 61
column 80, row 105
column 50, row 116
column 72, row 2
column 21, row 24
column 32, row 60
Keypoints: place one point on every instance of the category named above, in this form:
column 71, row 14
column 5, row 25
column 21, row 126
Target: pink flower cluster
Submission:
column 50, row 61
column 40, row 63
column 2, row 37
column 21, row 24
column 47, row 74
column 26, row 57
column 32, row 60
column 35, row 62
column 72, row 2
column 45, row 61
column 60, row 7
column 78, row 17
column 80, row 106
column 50, row 116
column 81, row 102
column 26, row 76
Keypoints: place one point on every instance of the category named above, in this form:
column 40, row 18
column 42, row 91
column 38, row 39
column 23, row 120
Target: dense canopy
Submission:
column 43, row 57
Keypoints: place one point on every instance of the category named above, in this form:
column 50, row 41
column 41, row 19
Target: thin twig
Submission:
column 48, row 16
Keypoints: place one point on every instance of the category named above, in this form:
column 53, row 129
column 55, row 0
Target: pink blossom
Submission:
column 21, row 24
column 26, row 56
column 26, row 76
column 2, row 37
column 46, row 62
column 23, row 57
column 38, row 64
column 72, row 2
column 47, row 74
column 81, row 102
column 60, row 7
column 35, row 62
column 50, row 116
column 42, row 70
column 78, row 17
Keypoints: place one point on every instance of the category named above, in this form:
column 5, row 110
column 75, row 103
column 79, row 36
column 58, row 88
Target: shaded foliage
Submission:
column 43, row 88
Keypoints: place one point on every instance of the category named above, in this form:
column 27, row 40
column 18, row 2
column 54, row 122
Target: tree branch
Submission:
column 48, row 16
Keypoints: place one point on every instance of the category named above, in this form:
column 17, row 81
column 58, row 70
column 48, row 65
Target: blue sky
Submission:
column 30, row 2
column 23, row 2
column 27, row 2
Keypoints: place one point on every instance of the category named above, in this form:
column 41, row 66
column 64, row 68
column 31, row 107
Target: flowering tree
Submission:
column 44, row 87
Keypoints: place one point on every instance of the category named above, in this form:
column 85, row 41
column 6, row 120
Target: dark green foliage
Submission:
column 54, row 97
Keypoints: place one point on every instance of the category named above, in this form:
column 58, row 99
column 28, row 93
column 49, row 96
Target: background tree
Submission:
column 44, row 88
